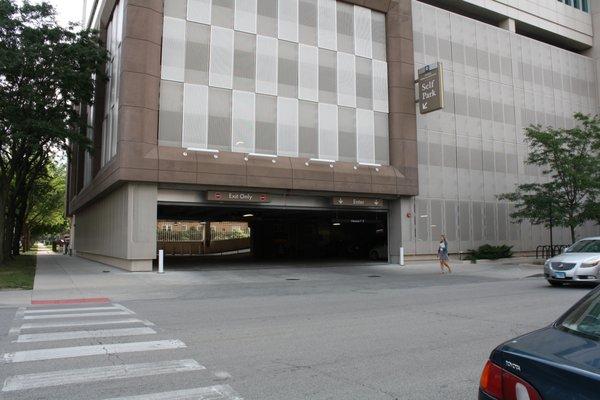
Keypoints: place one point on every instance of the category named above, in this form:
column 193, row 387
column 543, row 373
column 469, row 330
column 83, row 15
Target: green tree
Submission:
column 46, row 213
column 46, row 71
column 568, row 159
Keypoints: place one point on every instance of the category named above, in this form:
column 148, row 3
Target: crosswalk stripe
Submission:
column 46, row 337
column 37, row 325
column 96, row 374
column 83, row 351
column 59, row 310
column 217, row 392
column 77, row 315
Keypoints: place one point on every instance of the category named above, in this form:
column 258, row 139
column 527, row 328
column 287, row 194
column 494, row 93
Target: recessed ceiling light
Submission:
column 248, row 215
column 337, row 223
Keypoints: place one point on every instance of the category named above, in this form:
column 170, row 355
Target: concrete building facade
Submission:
column 280, row 112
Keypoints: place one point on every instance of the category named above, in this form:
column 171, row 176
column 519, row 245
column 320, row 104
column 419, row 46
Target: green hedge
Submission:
column 490, row 252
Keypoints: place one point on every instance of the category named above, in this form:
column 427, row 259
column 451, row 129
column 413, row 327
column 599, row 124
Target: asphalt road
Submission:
column 334, row 334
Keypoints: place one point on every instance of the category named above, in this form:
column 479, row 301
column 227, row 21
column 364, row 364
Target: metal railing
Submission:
column 547, row 251
column 191, row 235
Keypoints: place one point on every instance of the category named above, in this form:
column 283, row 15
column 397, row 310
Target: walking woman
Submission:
column 443, row 254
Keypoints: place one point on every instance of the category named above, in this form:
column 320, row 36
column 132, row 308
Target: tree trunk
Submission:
column 26, row 238
column 572, row 227
column 19, row 221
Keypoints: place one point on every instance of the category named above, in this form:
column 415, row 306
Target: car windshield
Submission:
column 585, row 246
column 585, row 319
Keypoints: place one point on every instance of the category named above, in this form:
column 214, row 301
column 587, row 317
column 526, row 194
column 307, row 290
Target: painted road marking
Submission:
column 72, row 301
column 83, row 351
column 92, row 322
column 96, row 374
column 47, row 337
column 204, row 393
column 77, row 315
column 58, row 310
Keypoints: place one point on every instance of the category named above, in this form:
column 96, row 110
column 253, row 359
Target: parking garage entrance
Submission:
column 272, row 233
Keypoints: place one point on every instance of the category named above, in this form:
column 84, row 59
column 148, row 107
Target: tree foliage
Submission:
column 45, row 71
column 46, row 214
column 570, row 186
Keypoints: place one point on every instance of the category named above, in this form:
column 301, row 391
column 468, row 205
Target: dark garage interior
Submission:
column 291, row 234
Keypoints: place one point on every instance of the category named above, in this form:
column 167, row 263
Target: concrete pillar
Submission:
column 508, row 24
column 394, row 231
column 120, row 228
column 72, row 233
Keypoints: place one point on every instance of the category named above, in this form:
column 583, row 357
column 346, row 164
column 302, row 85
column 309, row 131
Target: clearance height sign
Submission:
column 431, row 88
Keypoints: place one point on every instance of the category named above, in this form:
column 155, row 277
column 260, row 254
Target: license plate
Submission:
column 560, row 275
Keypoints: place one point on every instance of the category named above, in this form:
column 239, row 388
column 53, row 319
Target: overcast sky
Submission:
column 67, row 10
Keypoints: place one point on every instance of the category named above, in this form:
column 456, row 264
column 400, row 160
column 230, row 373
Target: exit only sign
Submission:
column 239, row 197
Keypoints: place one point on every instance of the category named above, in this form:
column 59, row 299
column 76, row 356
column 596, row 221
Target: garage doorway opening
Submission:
column 195, row 238
column 263, row 233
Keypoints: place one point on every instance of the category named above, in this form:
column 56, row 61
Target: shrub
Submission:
column 491, row 252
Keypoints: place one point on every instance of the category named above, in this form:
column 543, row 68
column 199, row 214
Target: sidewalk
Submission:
column 63, row 277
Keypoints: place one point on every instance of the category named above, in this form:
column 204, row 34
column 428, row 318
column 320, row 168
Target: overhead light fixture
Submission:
column 337, row 223
column 248, row 215
column 214, row 152
column 261, row 155
column 367, row 164
column 319, row 161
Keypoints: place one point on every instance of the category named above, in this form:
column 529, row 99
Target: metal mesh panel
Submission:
column 244, row 71
column 327, row 24
column 307, row 12
column 197, row 53
column 288, row 20
column 219, row 119
column 346, row 80
column 245, row 16
column 195, row 115
column 243, row 122
column 327, row 76
column 345, row 27
column 266, row 124
column 362, row 32
column 287, row 126
column 266, row 65
column 328, row 131
column 288, row 69
column 308, row 73
column 173, row 49
column 347, row 134
column 221, row 57
column 308, row 141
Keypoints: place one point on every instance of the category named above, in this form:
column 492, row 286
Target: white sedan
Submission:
column 579, row 263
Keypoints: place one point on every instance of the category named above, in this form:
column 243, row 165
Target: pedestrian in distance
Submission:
column 443, row 254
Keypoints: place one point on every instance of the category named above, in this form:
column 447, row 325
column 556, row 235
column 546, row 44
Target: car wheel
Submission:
column 373, row 255
column 555, row 284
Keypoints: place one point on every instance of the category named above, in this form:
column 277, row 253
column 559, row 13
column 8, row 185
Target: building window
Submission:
column 114, row 34
column 582, row 5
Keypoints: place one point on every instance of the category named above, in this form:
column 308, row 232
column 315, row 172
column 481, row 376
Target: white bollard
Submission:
column 161, row 261
column 402, row 256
